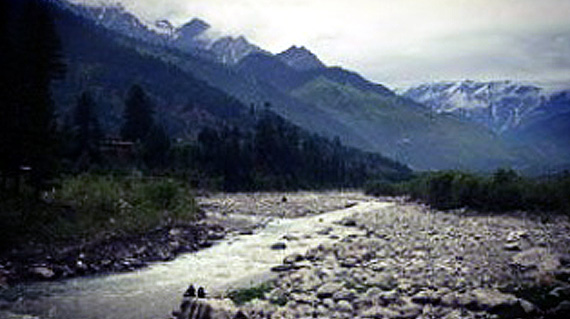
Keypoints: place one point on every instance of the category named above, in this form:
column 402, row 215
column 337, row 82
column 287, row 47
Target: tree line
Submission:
column 505, row 190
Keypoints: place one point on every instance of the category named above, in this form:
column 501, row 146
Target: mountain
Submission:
column 406, row 133
column 329, row 101
column 300, row 59
column 230, row 50
column 500, row 106
column 190, row 37
column 525, row 116
column 547, row 130
column 107, row 64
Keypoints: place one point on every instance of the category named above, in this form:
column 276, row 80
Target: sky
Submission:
column 398, row 43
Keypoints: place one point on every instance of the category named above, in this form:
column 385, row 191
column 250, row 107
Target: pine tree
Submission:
column 156, row 147
column 138, row 115
column 86, row 132
column 31, row 61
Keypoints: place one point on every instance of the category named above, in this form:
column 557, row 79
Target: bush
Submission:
column 504, row 191
column 121, row 205
column 241, row 296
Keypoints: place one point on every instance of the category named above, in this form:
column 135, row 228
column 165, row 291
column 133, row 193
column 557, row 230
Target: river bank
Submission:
column 409, row 261
column 235, row 216
column 341, row 255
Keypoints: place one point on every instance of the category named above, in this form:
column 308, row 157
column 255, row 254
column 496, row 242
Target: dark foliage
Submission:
column 85, row 134
column 137, row 116
column 279, row 155
column 31, row 60
column 504, row 191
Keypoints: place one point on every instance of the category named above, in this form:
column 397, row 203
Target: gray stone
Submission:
column 325, row 231
column 329, row 303
column 378, row 312
column 282, row 268
column 349, row 262
column 344, row 306
column 348, row 222
column 42, row 272
column 426, row 297
column 293, row 258
column 344, row 294
column 290, row 237
column 409, row 311
column 495, row 302
column 383, row 281
column 562, row 292
column 514, row 246
column 327, row 290
column 278, row 246
column 389, row 297
column 561, row 311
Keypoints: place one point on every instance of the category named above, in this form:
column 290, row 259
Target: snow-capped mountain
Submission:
column 501, row 105
column 190, row 37
column 300, row 59
column 230, row 50
column 115, row 17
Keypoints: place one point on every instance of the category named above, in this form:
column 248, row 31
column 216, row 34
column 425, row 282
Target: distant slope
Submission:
column 404, row 132
column 500, row 105
column 547, row 130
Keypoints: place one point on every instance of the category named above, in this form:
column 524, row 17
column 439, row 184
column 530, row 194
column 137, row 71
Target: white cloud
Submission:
column 397, row 42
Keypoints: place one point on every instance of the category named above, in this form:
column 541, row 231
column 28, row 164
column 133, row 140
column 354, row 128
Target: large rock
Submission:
column 42, row 272
column 537, row 258
column 379, row 312
column 278, row 246
column 327, row 290
column 495, row 302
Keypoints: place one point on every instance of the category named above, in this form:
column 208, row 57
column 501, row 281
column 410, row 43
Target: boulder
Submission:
column 493, row 301
column 344, row 306
column 538, row 258
column 42, row 272
column 379, row 312
column 327, row 290
column 293, row 258
column 278, row 246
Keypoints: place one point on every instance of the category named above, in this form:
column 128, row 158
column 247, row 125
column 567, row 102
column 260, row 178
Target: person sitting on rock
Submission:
column 201, row 292
column 190, row 292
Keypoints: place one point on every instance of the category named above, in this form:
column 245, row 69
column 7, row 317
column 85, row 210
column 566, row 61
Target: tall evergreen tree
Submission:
column 156, row 147
column 86, row 131
column 31, row 61
column 138, row 115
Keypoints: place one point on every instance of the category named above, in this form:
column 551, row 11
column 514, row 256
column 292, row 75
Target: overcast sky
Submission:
column 398, row 42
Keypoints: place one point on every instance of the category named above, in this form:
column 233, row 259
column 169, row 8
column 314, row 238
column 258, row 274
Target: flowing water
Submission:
column 155, row 291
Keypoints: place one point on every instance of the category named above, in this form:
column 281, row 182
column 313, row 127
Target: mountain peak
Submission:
column 300, row 58
column 193, row 28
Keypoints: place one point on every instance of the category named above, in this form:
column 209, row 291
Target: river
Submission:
column 155, row 291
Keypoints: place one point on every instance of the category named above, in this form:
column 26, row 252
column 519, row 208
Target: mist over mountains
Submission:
column 200, row 80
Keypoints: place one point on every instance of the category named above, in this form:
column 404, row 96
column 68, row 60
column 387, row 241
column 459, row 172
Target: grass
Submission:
column 244, row 295
column 90, row 206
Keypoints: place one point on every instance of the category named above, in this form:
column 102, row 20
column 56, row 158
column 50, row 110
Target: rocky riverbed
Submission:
column 408, row 261
column 368, row 259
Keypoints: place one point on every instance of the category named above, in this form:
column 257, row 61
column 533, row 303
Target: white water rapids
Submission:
column 155, row 291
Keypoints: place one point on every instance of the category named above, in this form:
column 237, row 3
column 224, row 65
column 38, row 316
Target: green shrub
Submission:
column 90, row 206
column 504, row 191
column 242, row 296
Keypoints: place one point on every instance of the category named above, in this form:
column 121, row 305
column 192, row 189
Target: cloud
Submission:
column 398, row 42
